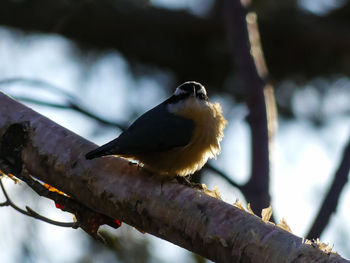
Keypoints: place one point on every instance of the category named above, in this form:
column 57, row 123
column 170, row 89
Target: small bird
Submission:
column 177, row 137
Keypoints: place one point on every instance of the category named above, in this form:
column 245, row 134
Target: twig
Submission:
column 30, row 212
column 86, row 219
column 37, row 83
column 219, row 172
column 71, row 101
column 73, row 106
column 330, row 202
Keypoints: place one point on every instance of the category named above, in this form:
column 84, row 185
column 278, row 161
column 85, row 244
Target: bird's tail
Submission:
column 107, row 149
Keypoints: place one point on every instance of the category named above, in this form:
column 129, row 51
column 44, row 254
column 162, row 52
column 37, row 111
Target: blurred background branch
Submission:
column 331, row 200
column 252, row 72
column 290, row 34
column 70, row 102
column 30, row 212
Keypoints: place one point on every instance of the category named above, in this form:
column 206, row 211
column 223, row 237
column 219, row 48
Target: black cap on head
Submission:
column 190, row 87
column 187, row 89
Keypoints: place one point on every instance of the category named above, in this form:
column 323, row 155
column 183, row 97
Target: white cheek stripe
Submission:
column 179, row 91
column 190, row 102
column 203, row 91
column 175, row 107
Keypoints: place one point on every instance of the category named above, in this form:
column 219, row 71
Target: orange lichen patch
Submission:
column 11, row 176
column 53, row 189
column 283, row 224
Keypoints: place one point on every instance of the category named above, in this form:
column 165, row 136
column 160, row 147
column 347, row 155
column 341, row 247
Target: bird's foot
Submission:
column 185, row 181
column 138, row 165
column 133, row 163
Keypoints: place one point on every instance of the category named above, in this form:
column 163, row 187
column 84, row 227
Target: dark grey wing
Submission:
column 155, row 131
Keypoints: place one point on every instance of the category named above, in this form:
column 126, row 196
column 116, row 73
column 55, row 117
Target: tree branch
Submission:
column 73, row 104
column 111, row 186
column 331, row 200
column 252, row 73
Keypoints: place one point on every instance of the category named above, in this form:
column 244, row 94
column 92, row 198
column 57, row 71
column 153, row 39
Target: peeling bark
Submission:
column 111, row 186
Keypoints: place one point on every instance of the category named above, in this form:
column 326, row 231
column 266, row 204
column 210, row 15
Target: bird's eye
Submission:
column 201, row 96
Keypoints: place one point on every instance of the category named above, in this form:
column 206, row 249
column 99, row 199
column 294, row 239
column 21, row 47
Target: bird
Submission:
column 175, row 138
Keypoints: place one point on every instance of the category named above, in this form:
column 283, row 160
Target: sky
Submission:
column 303, row 161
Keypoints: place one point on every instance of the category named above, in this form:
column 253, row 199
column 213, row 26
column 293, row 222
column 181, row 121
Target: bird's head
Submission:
column 187, row 96
column 190, row 89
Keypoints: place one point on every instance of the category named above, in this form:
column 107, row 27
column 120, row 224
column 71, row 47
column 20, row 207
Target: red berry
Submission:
column 117, row 222
column 59, row 206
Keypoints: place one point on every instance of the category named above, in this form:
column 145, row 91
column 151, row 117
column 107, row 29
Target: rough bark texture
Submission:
column 179, row 214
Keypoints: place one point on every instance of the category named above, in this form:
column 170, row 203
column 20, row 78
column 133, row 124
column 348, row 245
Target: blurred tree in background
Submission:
column 305, row 45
